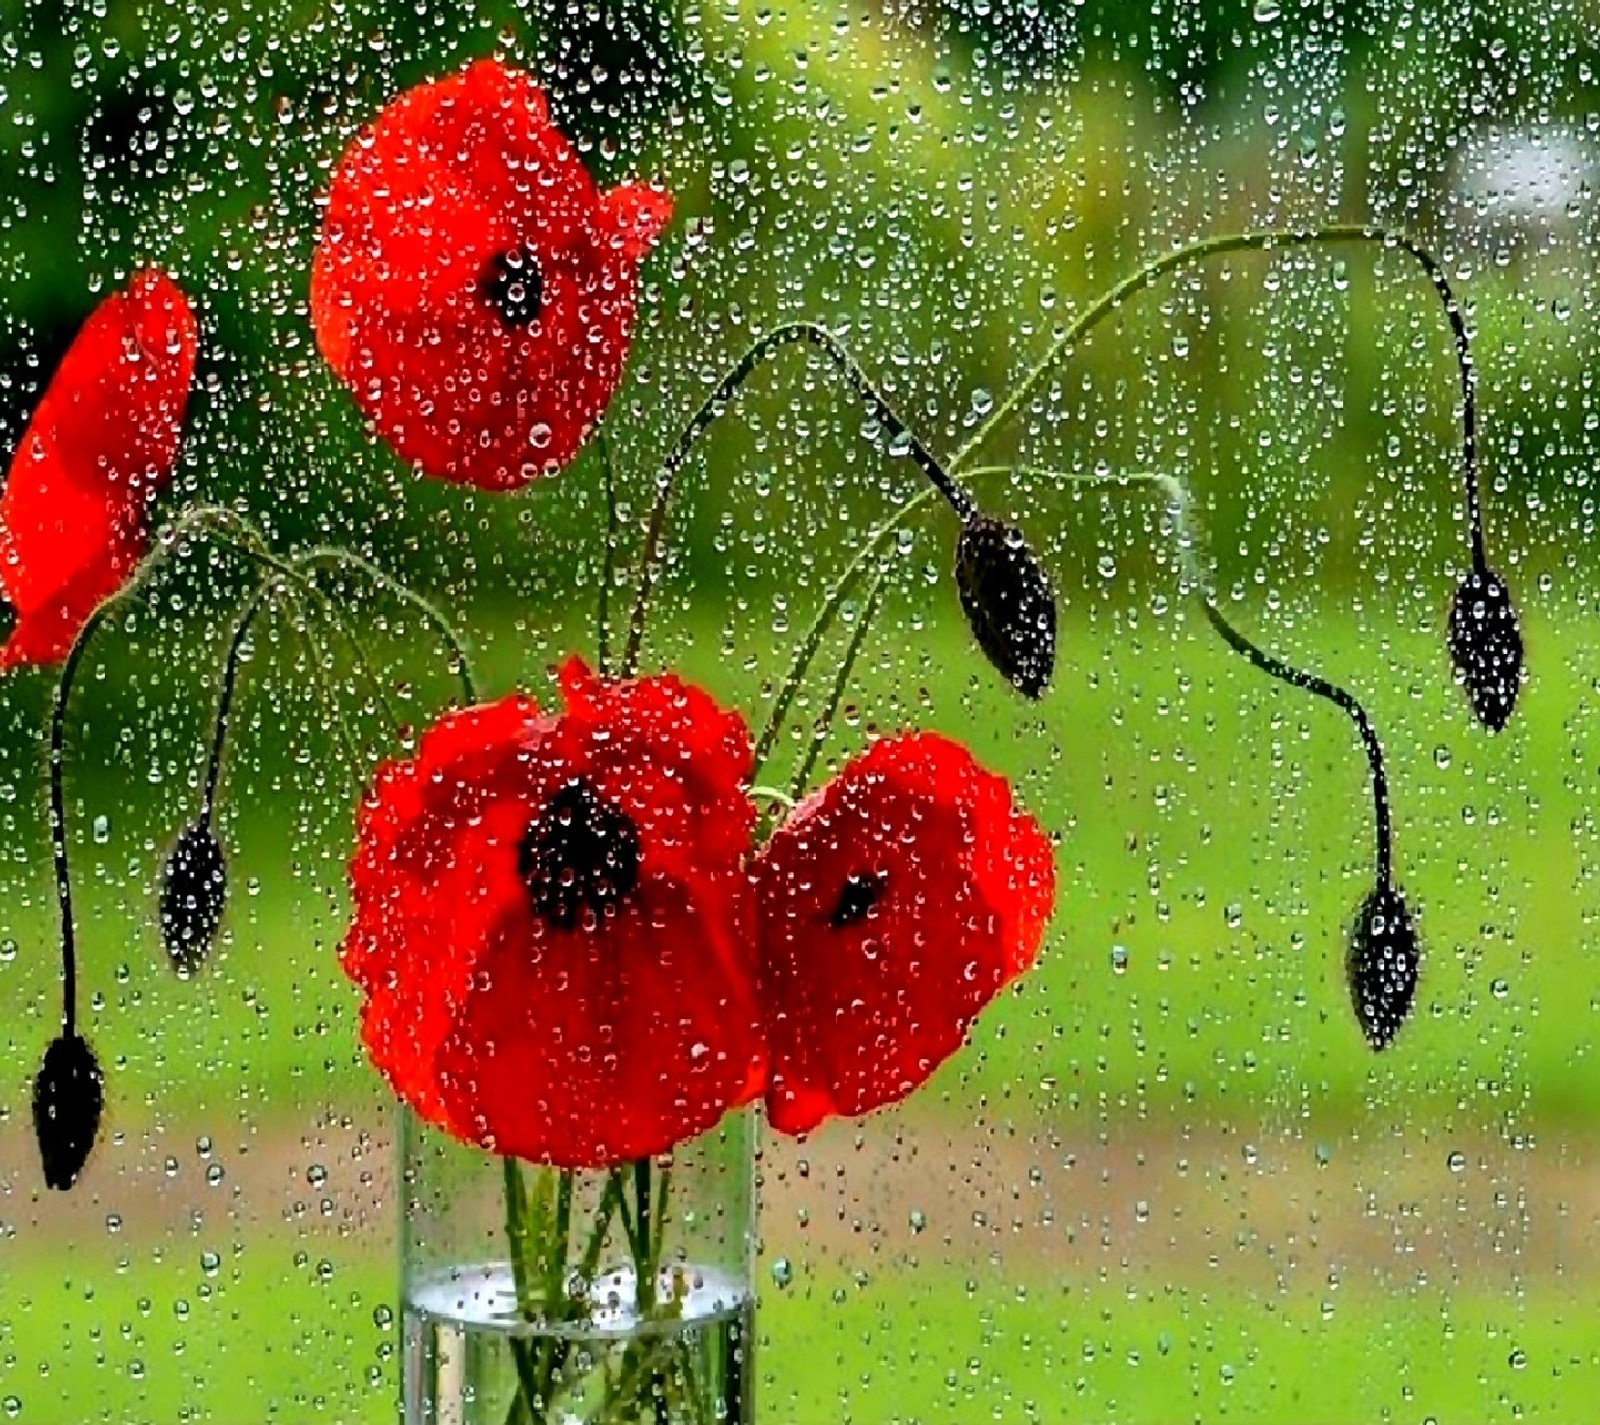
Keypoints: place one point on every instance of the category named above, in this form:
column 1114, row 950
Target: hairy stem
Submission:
column 608, row 568
column 869, row 611
column 263, row 595
column 1340, row 698
column 806, row 650
column 163, row 546
column 331, row 554
column 812, row 335
column 1266, row 240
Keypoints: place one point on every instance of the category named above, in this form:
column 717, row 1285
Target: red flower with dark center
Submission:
column 892, row 905
column 472, row 286
column 103, row 440
column 551, row 922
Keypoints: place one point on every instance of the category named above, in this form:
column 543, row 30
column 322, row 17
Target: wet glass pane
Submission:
column 1167, row 431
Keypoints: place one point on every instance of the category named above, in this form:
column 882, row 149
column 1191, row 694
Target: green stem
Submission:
column 717, row 402
column 322, row 662
column 336, row 620
column 643, row 1280
column 807, row 648
column 611, row 1200
column 869, row 611
column 263, row 596
column 528, row 1372
column 663, row 1186
column 1192, row 572
column 333, row 554
column 608, row 568
column 555, row 1294
column 294, row 567
column 162, row 547
column 1340, row 698
column 1266, row 240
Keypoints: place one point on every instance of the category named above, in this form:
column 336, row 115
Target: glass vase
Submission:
column 533, row 1296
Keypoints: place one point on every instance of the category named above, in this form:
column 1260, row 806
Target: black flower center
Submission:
column 8, row 618
column 578, row 854
column 857, row 896
column 513, row 286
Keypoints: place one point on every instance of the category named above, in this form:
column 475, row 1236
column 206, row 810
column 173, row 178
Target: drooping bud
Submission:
column 1486, row 647
column 194, row 888
column 1383, row 964
column 68, row 1095
column 1008, row 603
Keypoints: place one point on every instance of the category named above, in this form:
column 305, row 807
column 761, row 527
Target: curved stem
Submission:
column 337, row 621
column 230, row 678
column 869, row 611
column 165, row 542
column 1194, row 573
column 806, row 649
column 1264, row 240
column 714, row 405
column 243, row 537
column 322, row 662
column 1339, row 697
column 293, row 568
column 333, row 554
column 608, row 568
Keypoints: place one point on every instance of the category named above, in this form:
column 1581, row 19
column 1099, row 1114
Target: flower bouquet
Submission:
column 591, row 935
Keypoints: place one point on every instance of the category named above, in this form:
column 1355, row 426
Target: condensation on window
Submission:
column 1166, row 427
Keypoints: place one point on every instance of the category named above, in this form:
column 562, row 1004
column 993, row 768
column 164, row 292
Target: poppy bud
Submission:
column 1486, row 647
column 1382, row 964
column 1008, row 602
column 194, row 887
column 67, row 1098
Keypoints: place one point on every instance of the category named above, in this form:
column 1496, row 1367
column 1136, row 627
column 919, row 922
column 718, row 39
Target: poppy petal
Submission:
column 892, row 906
column 102, row 441
column 551, row 923
column 470, row 284
column 595, row 1048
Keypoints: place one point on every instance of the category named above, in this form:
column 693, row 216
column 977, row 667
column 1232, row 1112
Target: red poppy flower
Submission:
column 550, row 922
column 893, row 905
column 472, row 286
column 103, row 440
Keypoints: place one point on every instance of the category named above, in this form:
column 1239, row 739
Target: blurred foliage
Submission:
column 944, row 182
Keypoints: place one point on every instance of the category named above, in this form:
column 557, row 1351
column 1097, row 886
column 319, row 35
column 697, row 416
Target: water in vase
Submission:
column 470, row 1360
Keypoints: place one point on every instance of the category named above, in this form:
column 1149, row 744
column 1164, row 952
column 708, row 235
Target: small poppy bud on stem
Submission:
column 1008, row 602
column 194, row 889
column 1486, row 646
column 68, row 1095
column 1382, row 964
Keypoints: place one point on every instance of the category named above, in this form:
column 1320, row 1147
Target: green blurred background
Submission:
column 1166, row 1181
